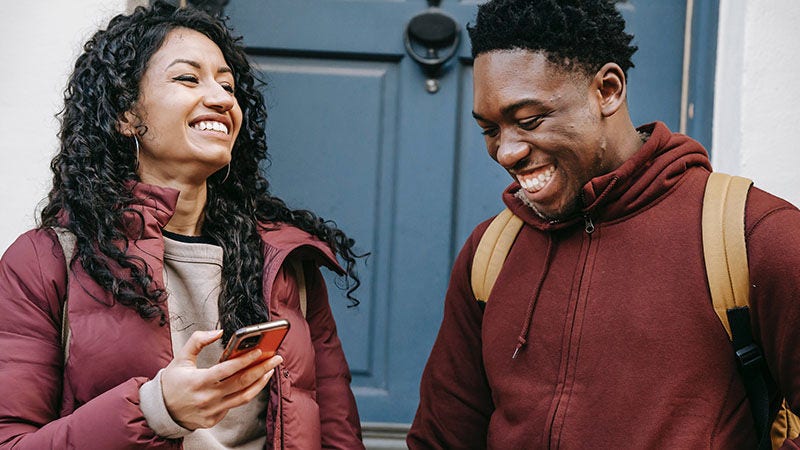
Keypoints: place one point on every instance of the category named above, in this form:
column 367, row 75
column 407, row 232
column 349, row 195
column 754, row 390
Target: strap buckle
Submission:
column 749, row 356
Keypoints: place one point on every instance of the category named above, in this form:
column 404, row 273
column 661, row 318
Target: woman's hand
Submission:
column 200, row 398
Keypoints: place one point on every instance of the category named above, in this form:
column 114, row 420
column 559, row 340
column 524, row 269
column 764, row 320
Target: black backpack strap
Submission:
column 752, row 366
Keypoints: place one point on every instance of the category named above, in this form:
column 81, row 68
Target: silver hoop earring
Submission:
column 227, row 172
column 136, row 161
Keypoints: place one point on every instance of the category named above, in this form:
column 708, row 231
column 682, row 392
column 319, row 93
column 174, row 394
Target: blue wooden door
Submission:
column 354, row 135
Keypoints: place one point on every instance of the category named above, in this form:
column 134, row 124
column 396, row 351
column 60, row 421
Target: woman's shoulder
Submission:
column 34, row 268
column 288, row 239
column 35, row 244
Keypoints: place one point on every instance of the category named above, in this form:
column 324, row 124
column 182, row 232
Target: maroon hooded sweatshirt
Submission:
column 92, row 401
column 617, row 344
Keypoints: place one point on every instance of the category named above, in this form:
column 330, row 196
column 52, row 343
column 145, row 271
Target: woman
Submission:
column 158, row 182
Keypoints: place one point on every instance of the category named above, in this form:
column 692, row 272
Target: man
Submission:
column 599, row 332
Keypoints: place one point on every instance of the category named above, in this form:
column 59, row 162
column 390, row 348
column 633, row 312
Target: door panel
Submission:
column 654, row 89
column 341, row 112
column 354, row 136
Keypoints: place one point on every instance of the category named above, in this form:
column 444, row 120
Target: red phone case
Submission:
column 267, row 336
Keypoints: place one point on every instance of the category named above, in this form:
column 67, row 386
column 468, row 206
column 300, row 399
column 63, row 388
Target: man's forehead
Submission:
column 529, row 61
column 511, row 71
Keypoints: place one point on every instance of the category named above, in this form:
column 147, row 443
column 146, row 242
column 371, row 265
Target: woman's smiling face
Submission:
column 187, row 115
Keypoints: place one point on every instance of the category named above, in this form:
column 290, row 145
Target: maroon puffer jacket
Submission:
column 93, row 402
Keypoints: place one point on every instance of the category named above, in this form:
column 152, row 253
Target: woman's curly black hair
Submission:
column 95, row 171
column 587, row 33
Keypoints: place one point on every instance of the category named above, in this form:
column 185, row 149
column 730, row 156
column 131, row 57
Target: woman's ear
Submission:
column 125, row 124
column 612, row 88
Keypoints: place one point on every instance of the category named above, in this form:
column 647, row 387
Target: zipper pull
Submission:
column 588, row 224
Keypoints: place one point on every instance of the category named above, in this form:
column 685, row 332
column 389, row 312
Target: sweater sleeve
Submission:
column 774, row 259
column 339, row 422
column 32, row 284
column 454, row 411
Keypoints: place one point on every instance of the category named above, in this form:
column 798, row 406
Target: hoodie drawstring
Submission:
column 522, row 339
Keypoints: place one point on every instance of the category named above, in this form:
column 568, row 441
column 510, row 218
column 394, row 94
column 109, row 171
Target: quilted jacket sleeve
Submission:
column 339, row 423
column 32, row 284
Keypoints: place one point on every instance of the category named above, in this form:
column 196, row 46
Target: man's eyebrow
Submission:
column 196, row 65
column 509, row 110
column 477, row 116
column 524, row 103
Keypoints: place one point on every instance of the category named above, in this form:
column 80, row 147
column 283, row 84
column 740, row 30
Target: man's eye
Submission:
column 491, row 132
column 531, row 123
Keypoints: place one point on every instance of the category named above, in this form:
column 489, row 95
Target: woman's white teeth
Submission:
column 211, row 125
column 533, row 183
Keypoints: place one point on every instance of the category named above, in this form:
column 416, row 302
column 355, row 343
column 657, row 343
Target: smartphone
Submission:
column 267, row 336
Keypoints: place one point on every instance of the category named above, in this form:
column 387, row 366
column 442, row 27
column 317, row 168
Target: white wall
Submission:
column 756, row 108
column 40, row 41
column 757, row 98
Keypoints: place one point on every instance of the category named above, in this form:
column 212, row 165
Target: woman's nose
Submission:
column 218, row 98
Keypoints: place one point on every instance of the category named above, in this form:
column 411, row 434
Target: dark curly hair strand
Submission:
column 586, row 33
column 95, row 170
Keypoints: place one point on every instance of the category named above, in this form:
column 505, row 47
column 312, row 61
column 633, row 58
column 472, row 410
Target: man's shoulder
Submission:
column 762, row 205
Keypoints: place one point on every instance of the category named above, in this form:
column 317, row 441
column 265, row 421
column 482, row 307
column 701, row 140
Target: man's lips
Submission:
column 535, row 180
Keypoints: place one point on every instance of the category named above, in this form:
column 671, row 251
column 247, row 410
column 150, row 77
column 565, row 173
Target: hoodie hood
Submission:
column 650, row 173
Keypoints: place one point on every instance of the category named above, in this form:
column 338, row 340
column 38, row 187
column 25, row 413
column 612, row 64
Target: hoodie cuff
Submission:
column 151, row 401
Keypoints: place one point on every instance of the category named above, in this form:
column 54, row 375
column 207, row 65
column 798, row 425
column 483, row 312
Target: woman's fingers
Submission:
column 245, row 378
column 228, row 368
column 244, row 396
column 196, row 342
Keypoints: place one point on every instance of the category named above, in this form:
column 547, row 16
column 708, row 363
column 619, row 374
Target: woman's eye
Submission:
column 227, row 87
column 186, row 78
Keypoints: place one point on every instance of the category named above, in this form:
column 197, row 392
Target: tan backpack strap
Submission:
column 67, row 241
column 297, row 265
column 492, row 251
column 724, row 247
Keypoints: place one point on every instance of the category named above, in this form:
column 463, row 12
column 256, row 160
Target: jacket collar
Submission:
column 650, row 173
column 155, row 201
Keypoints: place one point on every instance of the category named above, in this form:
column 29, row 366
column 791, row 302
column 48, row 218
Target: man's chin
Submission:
column 550, row 216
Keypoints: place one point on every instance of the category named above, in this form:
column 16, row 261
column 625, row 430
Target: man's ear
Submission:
column 612, row 88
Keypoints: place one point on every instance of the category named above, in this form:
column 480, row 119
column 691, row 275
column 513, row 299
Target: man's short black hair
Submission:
column 573, row 34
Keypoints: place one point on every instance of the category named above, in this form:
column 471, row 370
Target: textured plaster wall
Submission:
column 757, row 98
column 40, row 41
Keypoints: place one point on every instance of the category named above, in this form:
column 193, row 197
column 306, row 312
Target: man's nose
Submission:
column 511, row 150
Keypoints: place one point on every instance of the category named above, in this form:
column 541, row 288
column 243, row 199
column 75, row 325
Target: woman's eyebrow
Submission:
column 195, row 64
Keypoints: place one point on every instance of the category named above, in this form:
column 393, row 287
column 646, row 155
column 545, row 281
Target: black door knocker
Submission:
column 431, row 39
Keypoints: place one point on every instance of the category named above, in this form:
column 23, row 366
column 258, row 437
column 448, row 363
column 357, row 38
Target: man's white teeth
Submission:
column 535, row 183
column 211, row 125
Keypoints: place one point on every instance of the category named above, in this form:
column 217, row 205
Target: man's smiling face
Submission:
column 544, row 125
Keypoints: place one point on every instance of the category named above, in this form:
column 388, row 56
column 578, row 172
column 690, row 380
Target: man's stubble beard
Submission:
column 570, row 211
